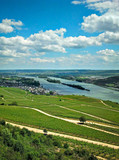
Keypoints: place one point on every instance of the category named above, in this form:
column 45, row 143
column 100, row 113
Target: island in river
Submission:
column 76, row 86
column 70, row 85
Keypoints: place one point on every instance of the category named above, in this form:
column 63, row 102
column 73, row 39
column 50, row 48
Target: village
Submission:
column 26, row 84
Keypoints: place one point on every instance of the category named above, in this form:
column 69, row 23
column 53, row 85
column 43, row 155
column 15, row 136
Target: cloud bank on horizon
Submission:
column 37, row 50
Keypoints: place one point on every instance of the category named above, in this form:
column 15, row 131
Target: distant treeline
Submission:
column 29, row 82
column 104, row 82
column 18, row 81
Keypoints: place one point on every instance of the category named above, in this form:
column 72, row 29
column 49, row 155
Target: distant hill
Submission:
column 59, row 73
column 109, row 82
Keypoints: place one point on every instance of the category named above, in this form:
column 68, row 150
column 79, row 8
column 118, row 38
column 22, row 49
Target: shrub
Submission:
column 2, row 104
column 68, row 152
column 59, row 156
column 7, row 137
column 2, row 122
column 57, row 143
column 66, row 145
column 18, row 147
column 32, row 155
column 45, row 132
column 42, row 138
column 51, row 92
column 14, row 103
column 27, row 132
column 81, row 153
column 82, row 119
column 24, row 132
column 50, row 136
column 35, row 141
column 92, row 157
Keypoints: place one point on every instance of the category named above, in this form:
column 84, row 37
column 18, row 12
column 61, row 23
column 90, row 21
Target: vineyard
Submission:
column 12, row 109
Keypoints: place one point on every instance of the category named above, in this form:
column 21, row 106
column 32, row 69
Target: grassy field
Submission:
column 114, row 130
column 34, row 118
column 51, row 105
column 100, row 151
column 80, row 103
column 39, row 146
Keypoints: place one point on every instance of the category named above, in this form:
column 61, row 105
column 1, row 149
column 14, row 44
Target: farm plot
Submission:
column 36, row 119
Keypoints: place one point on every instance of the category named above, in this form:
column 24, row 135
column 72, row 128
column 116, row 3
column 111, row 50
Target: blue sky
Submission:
column 59, row 34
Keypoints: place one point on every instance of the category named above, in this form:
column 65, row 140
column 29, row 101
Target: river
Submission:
column 95, row 91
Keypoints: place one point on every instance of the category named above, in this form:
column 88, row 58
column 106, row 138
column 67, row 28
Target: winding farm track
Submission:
column 76, row 122
column 66, row 136
column 100, row 124
column 101, row 107
column 71, row 121
column 85, row 114
column 108, row 106
column 105, row 104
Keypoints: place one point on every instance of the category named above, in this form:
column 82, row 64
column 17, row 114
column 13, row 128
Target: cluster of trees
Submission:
column 110, row 81
column 14, row 103
column 76, row 86
column 21, row 144
column 53, row 80
column 18, row 81
column 29, row 82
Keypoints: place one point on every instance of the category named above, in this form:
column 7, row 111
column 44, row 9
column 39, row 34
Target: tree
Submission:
column 14, row 103
column 45, row 132
column 92, row 157
column 82, row 119
column 7, row 137
column 51, row 92
column 2, row 104
column 2, row 122
column 66, row 145
column 18, row 147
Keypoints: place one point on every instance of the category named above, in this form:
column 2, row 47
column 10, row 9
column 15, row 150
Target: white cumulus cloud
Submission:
column 108, row 52
column 109, row 55
column 8, row 25
column 80, row 42
column 109, row 37
column 106, row 22
column 39, row 44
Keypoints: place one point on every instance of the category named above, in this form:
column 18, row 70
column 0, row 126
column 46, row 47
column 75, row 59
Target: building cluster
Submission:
column 32, row 89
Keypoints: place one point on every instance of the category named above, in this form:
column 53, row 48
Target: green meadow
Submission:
column 39, row 120
column 51, row 105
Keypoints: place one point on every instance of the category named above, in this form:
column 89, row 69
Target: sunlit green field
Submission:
column 52, row 105
column 34, row 118
column 49, row 103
